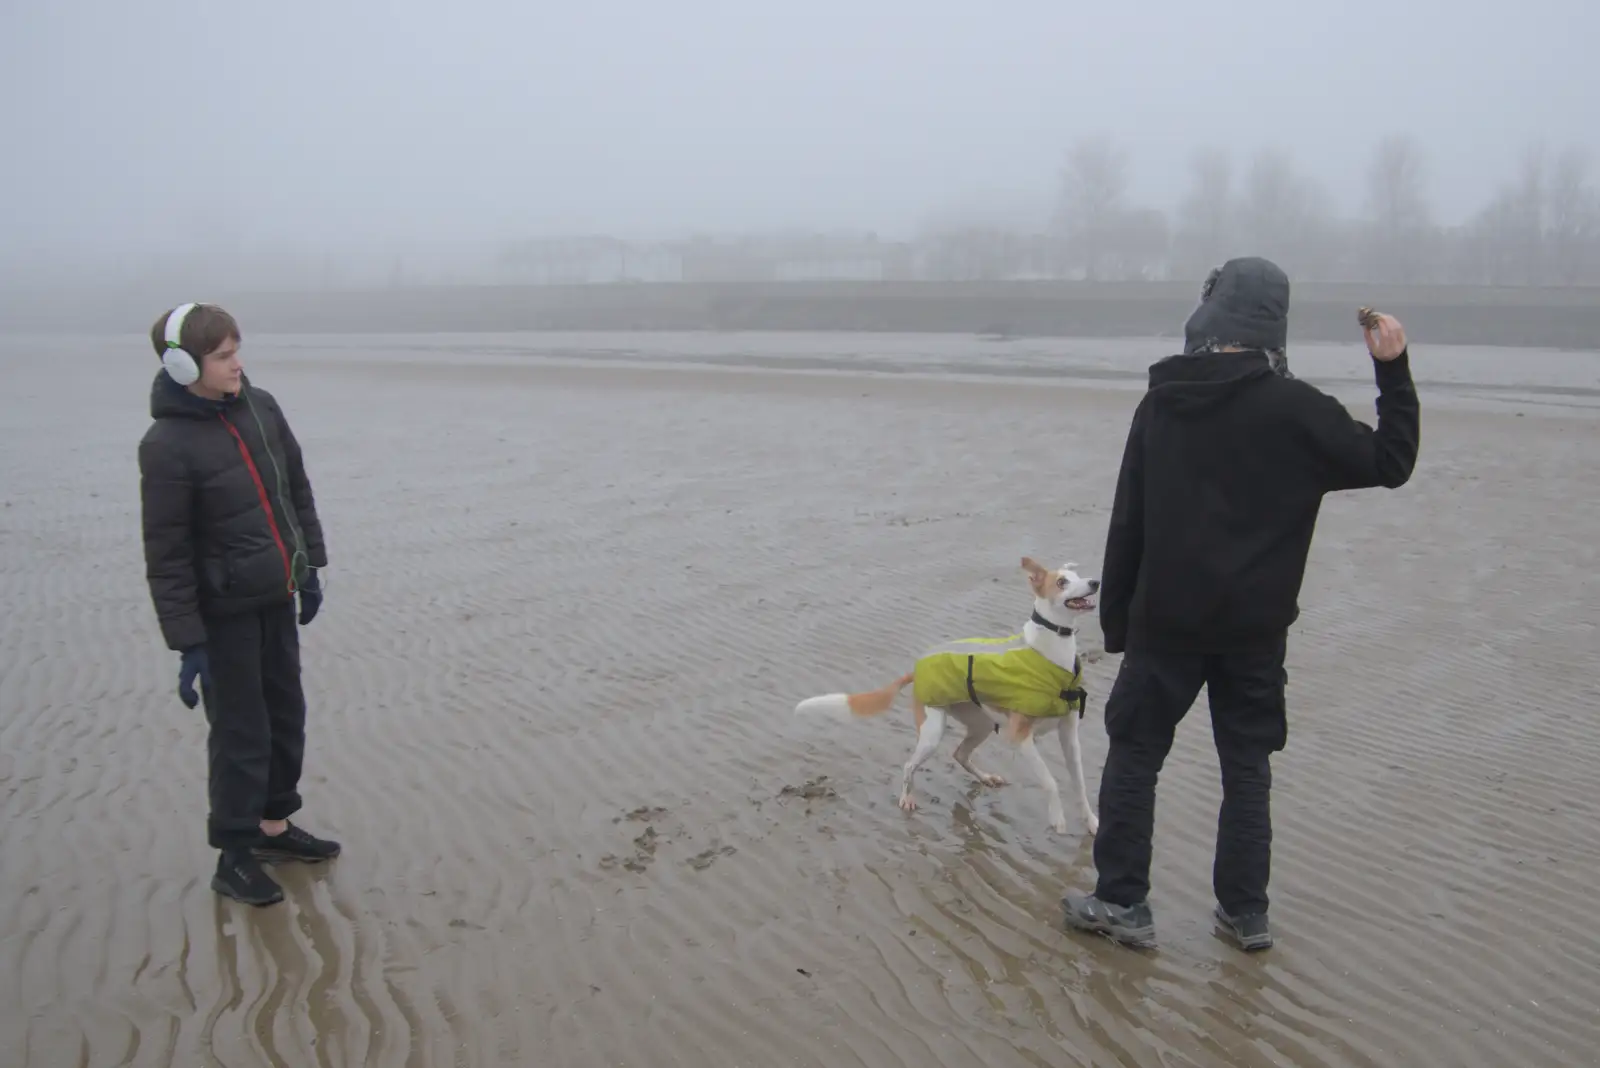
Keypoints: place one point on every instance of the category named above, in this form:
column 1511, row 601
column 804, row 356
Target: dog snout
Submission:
column 1094, row 585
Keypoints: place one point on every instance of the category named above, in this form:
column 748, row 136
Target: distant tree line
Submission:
column 1540, row 228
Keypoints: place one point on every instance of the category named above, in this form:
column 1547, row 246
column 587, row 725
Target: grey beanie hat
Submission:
column 1245, row 302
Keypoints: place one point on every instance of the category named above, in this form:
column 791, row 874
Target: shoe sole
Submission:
column 227, row 891
column 1253, row 944
column 275, row 856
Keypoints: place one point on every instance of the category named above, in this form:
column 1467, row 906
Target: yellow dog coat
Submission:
column 1000, row 672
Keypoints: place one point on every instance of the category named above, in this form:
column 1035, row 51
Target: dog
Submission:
column 1023, row 686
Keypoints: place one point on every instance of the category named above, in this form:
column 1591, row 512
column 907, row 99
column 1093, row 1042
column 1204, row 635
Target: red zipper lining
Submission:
column 261, row 491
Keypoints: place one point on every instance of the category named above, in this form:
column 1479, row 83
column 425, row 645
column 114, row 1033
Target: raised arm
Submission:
column 1354, row 455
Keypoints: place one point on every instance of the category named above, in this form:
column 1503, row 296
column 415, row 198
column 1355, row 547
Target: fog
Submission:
column 140, row 136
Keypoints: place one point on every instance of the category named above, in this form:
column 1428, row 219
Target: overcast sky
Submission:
column 130, row 125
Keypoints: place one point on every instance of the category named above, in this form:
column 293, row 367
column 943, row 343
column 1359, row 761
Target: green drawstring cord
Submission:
column 299, row 555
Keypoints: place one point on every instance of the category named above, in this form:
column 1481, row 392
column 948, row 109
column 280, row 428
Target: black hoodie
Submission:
column 1222, row 478
column 229, row 520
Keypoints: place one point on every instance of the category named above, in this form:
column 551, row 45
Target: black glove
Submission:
column 310, row 596
column 194, row 665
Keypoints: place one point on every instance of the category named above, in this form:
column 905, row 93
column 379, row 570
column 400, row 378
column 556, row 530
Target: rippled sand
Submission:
column 570, row 610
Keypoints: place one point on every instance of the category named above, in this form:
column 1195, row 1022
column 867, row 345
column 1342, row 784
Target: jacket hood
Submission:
column 1191, row 383
column 1245, row 302
column 168, row 400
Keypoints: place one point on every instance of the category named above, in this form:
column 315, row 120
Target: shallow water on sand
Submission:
column 1459, row 374
column 579, row 583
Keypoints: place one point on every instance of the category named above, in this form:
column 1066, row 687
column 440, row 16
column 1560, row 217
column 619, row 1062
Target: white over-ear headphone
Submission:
column 183, row 368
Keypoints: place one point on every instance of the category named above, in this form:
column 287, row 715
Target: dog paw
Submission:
column 1058, row 823
column 1092, row 825
column 990, row 780
column 907, row 804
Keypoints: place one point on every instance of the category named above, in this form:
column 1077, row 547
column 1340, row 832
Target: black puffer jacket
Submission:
column 229, row 521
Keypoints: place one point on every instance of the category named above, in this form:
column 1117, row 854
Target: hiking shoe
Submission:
column 1132, row 925
column 294, row 844
column 1249, row 931
column 241, row 877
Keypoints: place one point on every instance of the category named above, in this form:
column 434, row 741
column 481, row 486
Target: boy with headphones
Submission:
column 231, row 537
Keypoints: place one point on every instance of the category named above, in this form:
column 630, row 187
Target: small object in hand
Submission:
column 1386, row 338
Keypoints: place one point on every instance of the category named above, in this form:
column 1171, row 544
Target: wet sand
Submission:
column 570, row 609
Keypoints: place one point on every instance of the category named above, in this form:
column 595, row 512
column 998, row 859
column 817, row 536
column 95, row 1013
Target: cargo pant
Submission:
column 1249, row 723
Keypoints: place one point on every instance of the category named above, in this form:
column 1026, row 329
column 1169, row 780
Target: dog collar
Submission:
column 1065, row 632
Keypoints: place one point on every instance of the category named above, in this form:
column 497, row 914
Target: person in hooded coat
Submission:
column 231, row 538
column 1227, row 460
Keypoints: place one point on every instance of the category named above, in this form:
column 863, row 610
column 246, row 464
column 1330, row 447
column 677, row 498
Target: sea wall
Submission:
column 1561, row 318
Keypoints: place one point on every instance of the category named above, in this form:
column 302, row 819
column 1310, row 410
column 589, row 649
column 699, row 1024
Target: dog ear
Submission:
column 1071, row 565
column 1036, row 574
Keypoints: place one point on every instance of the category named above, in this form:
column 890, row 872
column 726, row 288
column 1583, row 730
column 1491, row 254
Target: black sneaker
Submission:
column 1249, row 932
column 241, row 877
column 1132, row 925
column 294, row 844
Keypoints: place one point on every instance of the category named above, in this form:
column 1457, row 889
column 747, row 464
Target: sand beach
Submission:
column 578, row 583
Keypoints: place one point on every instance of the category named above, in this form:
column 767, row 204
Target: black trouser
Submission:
column 1152, row 694
column 257, row 713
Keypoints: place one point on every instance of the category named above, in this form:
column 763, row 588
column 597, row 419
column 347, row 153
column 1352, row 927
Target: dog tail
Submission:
column 848, row 707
